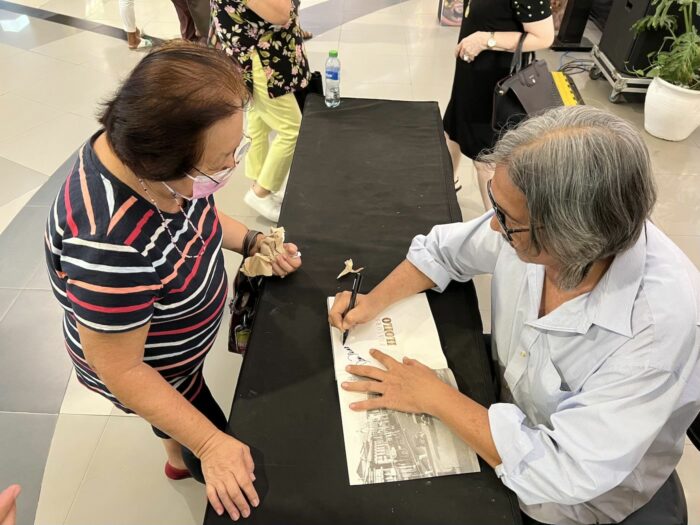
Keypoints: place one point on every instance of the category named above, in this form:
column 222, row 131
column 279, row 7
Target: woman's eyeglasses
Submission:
column 238, row 155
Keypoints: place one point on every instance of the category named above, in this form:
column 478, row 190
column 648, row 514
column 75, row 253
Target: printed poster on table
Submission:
column 386, row 445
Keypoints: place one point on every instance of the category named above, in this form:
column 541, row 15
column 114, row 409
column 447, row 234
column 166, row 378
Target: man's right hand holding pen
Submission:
column 365, row 310
column 405, row 280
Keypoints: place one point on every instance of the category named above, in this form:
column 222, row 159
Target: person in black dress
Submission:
column 488, row 36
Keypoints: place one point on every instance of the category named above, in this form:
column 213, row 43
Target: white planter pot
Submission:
column 671, row 112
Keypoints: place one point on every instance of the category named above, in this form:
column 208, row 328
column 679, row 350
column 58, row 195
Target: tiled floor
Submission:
column 80, row 460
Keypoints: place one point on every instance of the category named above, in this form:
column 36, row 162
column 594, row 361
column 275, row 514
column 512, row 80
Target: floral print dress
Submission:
column 239, row 32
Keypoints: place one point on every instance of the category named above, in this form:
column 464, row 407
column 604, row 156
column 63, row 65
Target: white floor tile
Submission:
column 690, row 244
column 85, row 10
column 45, row 148
column 26, row 68
column 377, row 91
column 368, row 66
column 431, row 41
column 125, row 483
column 677, row 211
column 689, row 472
column 164, row 30
column 317, row 62
column 20, row 114
column 386, row 39
column 421, row 6
column 79, row 90
column 32, row 3
column 355, row 41
column 7, row 51
column 74, row 443
column 309, row 3
column 332, row 35
column 85, row 47
column 9, row 210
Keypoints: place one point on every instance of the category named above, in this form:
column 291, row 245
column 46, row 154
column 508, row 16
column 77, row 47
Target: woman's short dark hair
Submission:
column 156, row 122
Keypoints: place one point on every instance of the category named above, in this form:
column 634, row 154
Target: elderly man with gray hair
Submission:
column 595, row 326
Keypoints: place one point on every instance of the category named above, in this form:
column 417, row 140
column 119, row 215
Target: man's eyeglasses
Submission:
column 501, row 217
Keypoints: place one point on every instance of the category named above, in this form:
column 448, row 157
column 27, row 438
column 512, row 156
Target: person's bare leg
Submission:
column 174, row 451
column 455, row 153
column 456, row 156
column 484, row 172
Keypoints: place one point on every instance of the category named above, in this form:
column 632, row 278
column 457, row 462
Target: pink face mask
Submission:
column 205, row 185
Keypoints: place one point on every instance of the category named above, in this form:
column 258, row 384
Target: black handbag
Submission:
column 246, row 295
column 526, row 91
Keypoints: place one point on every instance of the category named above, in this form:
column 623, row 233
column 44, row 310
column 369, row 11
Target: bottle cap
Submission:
column 333, row 53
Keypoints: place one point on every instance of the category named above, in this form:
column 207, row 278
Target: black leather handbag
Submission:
column 528, row 90
column 246, row 294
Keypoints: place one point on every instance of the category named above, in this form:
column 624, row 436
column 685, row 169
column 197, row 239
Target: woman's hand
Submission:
column 286, row 263
column 470, row 47
column 366, row 309
column 409, row 386
column 228, row 472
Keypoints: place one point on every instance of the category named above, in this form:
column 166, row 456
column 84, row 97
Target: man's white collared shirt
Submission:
column 602, row 389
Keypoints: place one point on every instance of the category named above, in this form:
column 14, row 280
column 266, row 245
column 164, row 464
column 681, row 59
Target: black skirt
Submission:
column 467, row 119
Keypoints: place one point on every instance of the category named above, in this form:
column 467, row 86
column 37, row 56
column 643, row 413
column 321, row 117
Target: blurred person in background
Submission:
column 265, row 38
column 487, row 39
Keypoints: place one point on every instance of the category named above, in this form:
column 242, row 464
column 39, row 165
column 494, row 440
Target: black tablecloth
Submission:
column 367, row 176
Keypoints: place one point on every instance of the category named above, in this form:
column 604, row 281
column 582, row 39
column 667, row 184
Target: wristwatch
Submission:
column 491, row 42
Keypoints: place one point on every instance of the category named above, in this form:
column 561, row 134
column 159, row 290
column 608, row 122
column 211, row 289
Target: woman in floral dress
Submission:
column 265, row 38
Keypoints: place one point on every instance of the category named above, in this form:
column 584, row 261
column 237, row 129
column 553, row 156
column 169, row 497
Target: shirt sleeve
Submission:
column 595, row 438
column 456, row 252
column 531, row 10
column 110, row 287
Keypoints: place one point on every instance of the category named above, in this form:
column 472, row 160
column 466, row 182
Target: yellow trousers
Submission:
column 268, row 163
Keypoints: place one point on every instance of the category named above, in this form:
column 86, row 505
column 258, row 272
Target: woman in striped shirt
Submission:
column 133, row 245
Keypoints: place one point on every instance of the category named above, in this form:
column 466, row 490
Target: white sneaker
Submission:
column 278, row 197
column 265, row 206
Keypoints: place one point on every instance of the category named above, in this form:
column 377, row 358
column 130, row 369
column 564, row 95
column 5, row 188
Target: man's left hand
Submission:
column 408, row 386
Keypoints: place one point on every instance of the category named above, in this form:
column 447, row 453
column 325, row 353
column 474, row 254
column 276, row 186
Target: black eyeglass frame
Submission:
column 501, row 217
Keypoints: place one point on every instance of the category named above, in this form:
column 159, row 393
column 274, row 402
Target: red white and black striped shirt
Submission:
column 113, row 267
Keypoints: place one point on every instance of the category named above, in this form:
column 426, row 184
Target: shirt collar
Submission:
column 609, row 305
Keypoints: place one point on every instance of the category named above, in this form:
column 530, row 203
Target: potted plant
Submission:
column 672, row 105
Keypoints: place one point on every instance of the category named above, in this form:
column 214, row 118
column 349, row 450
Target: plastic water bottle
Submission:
column 332, row 79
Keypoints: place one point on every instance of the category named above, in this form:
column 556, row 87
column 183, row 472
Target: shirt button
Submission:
column 523, row 354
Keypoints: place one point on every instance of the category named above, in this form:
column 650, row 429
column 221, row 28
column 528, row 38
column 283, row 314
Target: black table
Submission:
column 367, row 176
